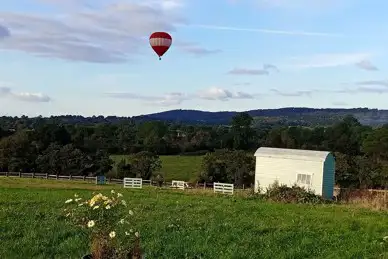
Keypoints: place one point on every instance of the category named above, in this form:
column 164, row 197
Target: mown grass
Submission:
column 183, row 168
column 176, row 225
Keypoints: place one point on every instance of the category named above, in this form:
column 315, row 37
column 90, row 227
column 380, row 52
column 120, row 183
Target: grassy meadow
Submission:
column 184, row 168
column 174, row 224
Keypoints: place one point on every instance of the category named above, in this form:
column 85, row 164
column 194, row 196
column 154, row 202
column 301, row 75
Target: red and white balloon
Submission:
column 160, row 42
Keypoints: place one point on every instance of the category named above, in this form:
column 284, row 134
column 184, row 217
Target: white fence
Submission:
column 223, row 188
column 133, row 183
column 178, row 185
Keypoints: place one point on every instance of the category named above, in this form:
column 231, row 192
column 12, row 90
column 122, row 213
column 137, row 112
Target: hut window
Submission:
column 303, row 179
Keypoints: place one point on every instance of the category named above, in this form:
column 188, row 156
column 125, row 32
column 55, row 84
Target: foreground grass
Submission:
column 175, row 225
column 183, row 168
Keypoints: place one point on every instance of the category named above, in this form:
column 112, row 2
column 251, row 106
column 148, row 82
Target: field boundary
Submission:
column 94, row 178
column 340, row 191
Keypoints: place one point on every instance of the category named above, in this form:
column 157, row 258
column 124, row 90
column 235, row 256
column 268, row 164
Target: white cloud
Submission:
column 374, row 82
column 31, row 97
column 265, row 70
column 215, row 93
column 294, row 93
column 327, row 60
column 176, row 98
column 163, row 100
column 366, row 65
column 262, row 30
column 248, row 71
column 340, row 103
column 6, row 92
column 242, row 84
column 195, row 48
column 298, row 3
column 104, row 34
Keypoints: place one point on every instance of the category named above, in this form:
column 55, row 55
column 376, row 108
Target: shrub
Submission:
column 294, row 194
column 107, row 220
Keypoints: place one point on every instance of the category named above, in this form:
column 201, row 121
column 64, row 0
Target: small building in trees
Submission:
column 313, row 170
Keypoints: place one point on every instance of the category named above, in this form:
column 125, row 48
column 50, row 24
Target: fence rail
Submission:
column 133, row 183
column 225, row 188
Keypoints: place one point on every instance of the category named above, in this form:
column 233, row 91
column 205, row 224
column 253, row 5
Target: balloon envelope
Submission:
column 160, row 42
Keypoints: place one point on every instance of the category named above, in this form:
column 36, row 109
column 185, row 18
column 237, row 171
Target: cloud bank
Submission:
column 93, row 31
column 6, row 92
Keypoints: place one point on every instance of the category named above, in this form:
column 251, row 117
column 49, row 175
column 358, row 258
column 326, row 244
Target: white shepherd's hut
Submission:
column 313, row 170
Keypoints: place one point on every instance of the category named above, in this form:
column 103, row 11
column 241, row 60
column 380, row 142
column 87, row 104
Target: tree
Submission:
column 64, row 160
column 368, row 173
column 124, row 169
column 144, row 164
column 375, row 144
column 17, row 152
column 242, row 130
column 49, row 161
column 228, row 166
column 102, row 163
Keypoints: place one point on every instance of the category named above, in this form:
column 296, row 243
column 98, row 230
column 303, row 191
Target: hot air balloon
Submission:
column 160, row 42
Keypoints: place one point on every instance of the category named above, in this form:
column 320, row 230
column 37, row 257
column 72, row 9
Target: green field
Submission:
column 184, row 168
column 178, row 225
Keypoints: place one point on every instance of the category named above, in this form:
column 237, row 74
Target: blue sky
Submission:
column 93, row 57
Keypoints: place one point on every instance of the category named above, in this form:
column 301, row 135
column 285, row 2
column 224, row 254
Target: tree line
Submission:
column 55, row 146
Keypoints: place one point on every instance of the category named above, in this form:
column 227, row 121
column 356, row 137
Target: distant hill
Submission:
column 283, row 116
column 291, row 115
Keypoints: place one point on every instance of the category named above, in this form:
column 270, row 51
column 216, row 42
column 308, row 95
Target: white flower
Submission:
column 127, row 233
column 131, row 230
column 119, row 195
column 385, row 238
column 91, row 223
column 68, row 214
column 78, row 199
column 81, row 204
column 121, row 221
column 112, row 191
column 137, row 234
column 96, row 207
column 124, row 203
column 76, row 195
column 107, row 207
column 130, row 212
column 69, row 200
column 112, row 234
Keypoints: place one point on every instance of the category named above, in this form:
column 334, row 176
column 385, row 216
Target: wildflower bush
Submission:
column 282, row 193
column 108, row 221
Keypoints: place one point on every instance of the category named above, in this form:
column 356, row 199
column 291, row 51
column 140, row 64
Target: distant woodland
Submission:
column 82, row 146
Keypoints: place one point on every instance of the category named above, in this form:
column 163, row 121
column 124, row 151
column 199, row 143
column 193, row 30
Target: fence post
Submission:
column 243, row 187
column 84, row 178
column 56, row 176
column 204, row 185
column 46, row 175
column 20, row 175
column 6, row 174
column 70, row 177
column 33, row 175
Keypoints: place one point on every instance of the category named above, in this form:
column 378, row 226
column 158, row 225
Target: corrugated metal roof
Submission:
column 298, row 154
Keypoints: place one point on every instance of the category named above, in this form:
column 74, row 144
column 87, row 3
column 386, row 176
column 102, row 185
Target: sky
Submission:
column 93, row 57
